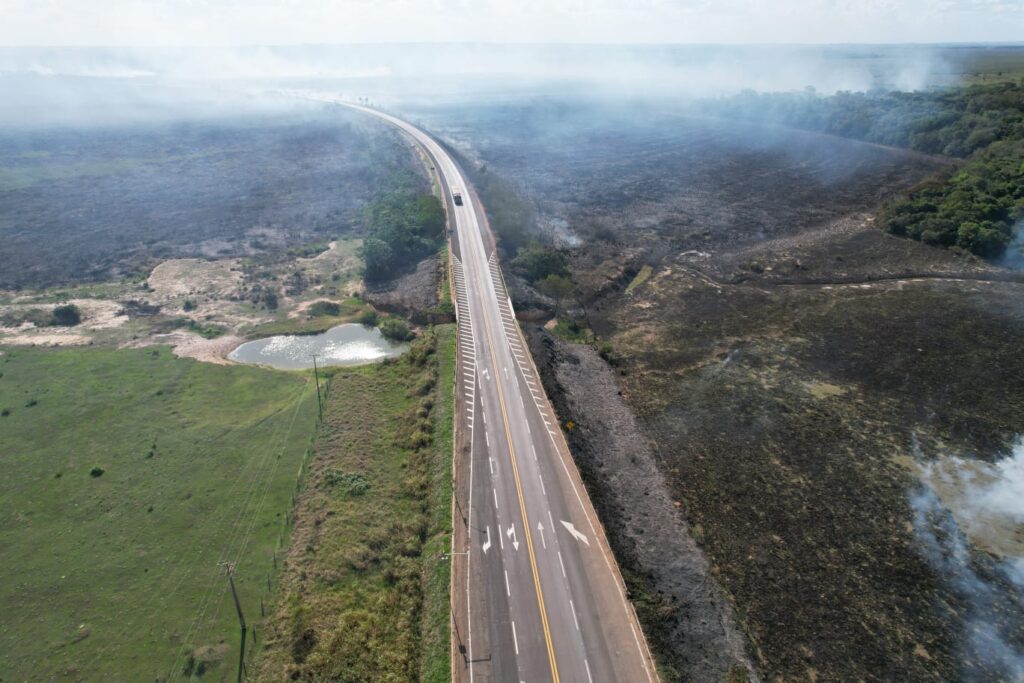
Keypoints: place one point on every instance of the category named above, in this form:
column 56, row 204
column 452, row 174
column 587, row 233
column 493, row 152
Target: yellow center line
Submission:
column 522, row 506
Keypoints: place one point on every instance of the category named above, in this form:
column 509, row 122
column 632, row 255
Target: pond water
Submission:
column 350, row 344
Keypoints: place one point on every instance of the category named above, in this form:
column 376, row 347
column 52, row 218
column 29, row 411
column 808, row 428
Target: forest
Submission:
column 403, row 226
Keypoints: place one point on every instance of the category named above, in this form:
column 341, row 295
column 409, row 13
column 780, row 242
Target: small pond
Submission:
column 350, row 344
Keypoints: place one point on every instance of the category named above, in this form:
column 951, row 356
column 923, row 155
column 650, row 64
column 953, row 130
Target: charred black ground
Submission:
column 783, row 358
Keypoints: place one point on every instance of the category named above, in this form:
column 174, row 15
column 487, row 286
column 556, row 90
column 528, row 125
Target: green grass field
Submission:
column 365, row 589
column 115, row 577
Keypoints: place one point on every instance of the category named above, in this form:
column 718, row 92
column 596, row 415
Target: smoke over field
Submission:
column 713, row 303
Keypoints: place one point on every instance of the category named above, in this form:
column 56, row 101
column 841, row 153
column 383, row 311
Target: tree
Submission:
column 537, row 263
column 378, row 256
column 558, row 287
column 67, row 315
column 396, row 329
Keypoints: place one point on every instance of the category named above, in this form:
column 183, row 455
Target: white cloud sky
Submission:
column 284, row 22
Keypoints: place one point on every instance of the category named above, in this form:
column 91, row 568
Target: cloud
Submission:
column 284, row 22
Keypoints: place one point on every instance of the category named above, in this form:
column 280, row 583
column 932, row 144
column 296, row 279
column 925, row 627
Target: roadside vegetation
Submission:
column 404, row 225
column 130, row 477
column 510, row 215
column 364, row 589
column 976, row 207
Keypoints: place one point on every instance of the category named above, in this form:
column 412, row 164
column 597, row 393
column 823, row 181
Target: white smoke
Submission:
column 984, row 503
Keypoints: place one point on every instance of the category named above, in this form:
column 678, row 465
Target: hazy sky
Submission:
column 281, row 22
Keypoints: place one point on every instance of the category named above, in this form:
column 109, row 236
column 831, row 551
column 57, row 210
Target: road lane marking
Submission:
column 587, row 664
column 522, row 511
column 511, row 534
column 490, row 463
column 574, row 619
column 577, row 535
column 495, row 498
column 561, row 564
column 508, row 590
column 515, row 640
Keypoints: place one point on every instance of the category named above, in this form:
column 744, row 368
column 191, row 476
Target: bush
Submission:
column 368, row 318
column 188, row 306
column 67, row 315
column 538, row 262
column 322, row 308
column 96, row 472
column 350, row 483
column 396, row 329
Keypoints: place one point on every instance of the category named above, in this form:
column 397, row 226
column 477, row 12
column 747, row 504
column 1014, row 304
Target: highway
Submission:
column 536, row 594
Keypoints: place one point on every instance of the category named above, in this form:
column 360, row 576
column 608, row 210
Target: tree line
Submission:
column 978, row 207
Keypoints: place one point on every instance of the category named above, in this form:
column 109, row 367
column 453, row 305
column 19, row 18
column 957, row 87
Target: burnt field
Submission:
column 94, row 203
column 794, row 374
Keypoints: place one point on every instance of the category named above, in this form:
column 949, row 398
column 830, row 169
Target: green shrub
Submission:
column 349, row 483
column 67, row 315
column 396, row 329
column 538, row 262
column 96, row 472
column 368, row 318
column 324, row 308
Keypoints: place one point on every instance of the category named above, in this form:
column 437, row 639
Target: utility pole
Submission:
column 230, row 568
column 319, row 403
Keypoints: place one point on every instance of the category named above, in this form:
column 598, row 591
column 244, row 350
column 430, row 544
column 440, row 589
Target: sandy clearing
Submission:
column 178, row 278
column 188, row 345
column 31, row 337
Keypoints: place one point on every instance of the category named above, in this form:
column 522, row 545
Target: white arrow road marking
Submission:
column 487, row 543
column 572, row 530
column 486, row 374
column 511, row 533
column 540, row 528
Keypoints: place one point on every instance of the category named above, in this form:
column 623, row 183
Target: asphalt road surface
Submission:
column 536, row 593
